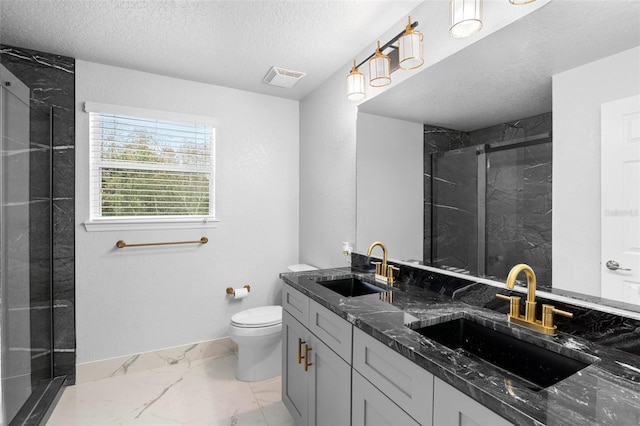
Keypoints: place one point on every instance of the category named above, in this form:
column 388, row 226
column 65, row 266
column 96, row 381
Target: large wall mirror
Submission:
column 522, row 147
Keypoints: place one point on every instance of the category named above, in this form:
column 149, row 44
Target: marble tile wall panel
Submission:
column 441, row 139
column 41, row 349
column 517, row 129
column 519, row 211
column 40, row 255
column 52, row 82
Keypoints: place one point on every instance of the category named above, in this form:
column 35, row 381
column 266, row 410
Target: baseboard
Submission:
column 113, row 367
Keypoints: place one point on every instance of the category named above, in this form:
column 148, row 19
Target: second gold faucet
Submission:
column 546, row 325
column 384, row 272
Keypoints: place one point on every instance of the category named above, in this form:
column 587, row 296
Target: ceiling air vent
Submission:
column 282, row 78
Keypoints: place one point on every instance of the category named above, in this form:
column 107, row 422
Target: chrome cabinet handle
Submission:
column 615, row 266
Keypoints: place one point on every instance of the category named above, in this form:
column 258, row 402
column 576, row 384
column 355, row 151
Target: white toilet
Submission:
column 258, row 334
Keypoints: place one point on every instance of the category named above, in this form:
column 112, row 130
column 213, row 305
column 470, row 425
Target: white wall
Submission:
column 327, row 174
column 390, row 177
column 141, row 299
column 328, row 131
column 577, row 96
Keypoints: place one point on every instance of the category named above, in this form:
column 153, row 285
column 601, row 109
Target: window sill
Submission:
column 146, row 224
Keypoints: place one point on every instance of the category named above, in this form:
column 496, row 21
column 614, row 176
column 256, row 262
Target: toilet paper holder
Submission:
column 230, row 290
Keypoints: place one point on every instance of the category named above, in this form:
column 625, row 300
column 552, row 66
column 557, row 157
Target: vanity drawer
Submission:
column 296, row 303
column 335, row 332
column 371, row 407
column 402, row 381
column 452, row 407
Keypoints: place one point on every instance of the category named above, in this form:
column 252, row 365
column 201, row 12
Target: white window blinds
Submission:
column 150, row 168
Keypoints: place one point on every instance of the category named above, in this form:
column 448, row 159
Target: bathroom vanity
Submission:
column 369, row 361
column 316, row 358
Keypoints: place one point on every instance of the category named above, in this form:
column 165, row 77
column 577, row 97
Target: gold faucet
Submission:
column 384, row 272
column 545, row 326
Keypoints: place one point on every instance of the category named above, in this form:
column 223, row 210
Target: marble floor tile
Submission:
column 201, row 392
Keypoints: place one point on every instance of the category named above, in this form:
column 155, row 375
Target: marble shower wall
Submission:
column 51, row 81
column 518, row 204
column 518, row 198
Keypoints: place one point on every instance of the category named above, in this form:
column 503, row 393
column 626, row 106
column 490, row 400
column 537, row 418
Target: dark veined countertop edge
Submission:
column 607, row 392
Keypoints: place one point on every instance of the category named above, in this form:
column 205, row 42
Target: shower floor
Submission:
column 203, row 392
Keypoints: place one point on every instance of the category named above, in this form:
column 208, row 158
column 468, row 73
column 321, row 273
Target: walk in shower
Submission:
column 37, row 163
column 488, row 207
column 26, row 332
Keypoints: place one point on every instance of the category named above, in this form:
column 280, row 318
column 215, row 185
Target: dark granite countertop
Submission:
column 606, row 392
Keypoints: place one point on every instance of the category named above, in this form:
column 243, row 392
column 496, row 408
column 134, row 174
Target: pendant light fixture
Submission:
column 355, row 84
column 379, row 69
column 466, row 17
column 410, row 48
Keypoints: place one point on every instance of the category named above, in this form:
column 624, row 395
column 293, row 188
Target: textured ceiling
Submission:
column 227, row 43
column 507, row 75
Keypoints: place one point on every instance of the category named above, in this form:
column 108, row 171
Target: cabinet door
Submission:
column 370, row 407
column 294, row 378
column 405, row 383
column 329, row 387
column 453, row 408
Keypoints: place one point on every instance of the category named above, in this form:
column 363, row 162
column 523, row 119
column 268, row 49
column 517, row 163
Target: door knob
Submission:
column 615, row 266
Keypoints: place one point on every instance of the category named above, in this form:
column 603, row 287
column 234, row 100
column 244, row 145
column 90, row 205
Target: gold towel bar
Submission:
column 123, row 244
column 230, row 290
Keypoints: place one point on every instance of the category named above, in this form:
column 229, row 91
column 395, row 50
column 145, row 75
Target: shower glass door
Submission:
column 25, row 248
column 490, row 208
column 454, row 211
column 518, row 210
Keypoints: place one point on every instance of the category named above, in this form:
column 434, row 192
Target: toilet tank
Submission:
column 300, row 267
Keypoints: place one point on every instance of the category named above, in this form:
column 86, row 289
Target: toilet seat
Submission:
column 263, row 316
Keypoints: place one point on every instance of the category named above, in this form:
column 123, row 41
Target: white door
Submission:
column 620, row 177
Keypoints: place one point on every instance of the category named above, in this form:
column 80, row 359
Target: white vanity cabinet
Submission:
column 316, row 381
column 453, row 408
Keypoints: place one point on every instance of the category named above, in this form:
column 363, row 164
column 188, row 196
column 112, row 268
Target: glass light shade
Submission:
column 379, row 69
column 355, row 84
column 410, row 46
column 521, row 2
column 466, row 17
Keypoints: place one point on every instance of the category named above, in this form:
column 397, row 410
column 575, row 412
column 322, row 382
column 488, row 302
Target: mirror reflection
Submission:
column 494, row 156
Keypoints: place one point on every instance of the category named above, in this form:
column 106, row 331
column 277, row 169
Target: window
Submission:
column 146, row 169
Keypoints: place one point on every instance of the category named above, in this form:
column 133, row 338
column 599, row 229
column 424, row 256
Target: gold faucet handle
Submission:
column 378, row 267
column 514, row 304
column 390, row 278
column 547, row 317
column 563, row 313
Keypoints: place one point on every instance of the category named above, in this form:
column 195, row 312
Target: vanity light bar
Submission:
column 355, row 79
